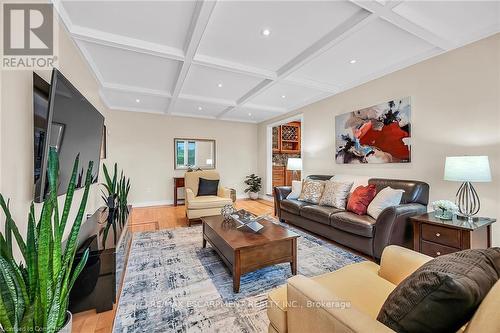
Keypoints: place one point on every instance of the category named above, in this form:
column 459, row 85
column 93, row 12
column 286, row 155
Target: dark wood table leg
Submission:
column 204, row 242
column 175, row 192
column 236, row 272
column 293, row 263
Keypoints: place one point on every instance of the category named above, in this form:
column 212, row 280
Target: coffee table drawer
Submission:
column 266, row 254
column 220, row 246
column 441, row 235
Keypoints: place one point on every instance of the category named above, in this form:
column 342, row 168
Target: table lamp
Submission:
column 294, row 164
column 467, row 169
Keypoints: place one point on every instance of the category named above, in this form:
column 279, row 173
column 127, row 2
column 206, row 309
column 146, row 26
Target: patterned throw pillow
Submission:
column 312, row 191
column 335, row 194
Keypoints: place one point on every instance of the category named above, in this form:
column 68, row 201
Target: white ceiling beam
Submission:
column 135, row 89
column 348, row 27
column 199, row 23
column 386, row 12
column 210, row 100
column 312, row 84
column 234, row 67
column 126, row 43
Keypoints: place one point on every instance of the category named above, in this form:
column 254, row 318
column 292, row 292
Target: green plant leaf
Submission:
column 69, row 195
column 31, row 250
column 12, row 227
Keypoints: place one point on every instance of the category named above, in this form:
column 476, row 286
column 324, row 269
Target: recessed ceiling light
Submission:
column 353, row 61
column 265, row 32
column 200, row 108
column 249, row 114
column 219, row 85
column 137, row 100
column 283, row 96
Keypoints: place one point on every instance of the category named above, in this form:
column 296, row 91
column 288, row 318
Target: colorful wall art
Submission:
column 377, row 134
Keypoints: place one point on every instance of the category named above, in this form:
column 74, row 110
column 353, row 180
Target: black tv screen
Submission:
column 73, row 126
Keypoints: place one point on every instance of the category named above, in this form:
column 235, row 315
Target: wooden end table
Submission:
column 245, row 251
column 434, row 237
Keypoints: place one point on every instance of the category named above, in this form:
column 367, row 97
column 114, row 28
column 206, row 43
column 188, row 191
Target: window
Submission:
column 194, row 153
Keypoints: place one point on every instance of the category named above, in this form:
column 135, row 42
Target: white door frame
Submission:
column 269, row 147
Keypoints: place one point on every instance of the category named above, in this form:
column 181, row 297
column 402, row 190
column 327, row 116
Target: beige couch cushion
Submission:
column 208, row 201
column 359, row 284
column 487, row 318
column 191, row 179
column 276, row 309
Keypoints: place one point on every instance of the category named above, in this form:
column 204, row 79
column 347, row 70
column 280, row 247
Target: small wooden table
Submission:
column 178, row 182
column 434, row 237
column 245, row 251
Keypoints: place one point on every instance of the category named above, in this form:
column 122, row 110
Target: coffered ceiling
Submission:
column 254, row 60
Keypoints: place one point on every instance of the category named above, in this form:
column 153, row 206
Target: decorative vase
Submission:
column 253, row 195
column 443, row 214
column 67, row 328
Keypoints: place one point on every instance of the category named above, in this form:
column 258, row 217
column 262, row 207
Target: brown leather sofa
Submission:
column 361, row 233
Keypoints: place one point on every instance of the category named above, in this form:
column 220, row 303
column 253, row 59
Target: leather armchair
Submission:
column 206, row 205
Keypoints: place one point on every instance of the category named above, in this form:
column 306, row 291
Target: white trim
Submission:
column 152, row 203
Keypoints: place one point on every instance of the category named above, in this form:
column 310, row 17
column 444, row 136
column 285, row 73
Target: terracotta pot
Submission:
column 69, row 322
column 253, row 195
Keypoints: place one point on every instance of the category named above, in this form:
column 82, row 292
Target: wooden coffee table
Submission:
column 244, row 251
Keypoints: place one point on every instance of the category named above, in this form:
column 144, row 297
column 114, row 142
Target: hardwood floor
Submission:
column 150, row 219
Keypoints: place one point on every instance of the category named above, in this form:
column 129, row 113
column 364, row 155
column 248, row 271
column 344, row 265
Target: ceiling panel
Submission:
column 285, row 95
column 250, row 115
column 134, row 101
column 235, row 29
column 193, row 108
column 216, row 83
column 132, row 68
column 374, row 48
column 458, row 21
column 162, row 22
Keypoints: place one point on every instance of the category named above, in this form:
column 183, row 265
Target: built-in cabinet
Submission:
column 283, row 177
column 286, row 138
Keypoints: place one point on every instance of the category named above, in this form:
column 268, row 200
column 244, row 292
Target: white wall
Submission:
column 143, row 144
column 455, row 111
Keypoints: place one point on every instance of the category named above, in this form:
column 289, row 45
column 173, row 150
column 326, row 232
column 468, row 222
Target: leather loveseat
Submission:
column 359, row 232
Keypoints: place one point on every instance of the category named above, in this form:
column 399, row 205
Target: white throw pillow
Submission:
column 387, row 197
column 335, row 194
column 296, row 190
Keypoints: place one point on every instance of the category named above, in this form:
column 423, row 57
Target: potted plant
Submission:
column 254, row 183
column 35, row 293
column 116, row 200
column 444, row 209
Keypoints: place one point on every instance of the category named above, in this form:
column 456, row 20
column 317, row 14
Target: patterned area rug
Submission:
column 172, row 284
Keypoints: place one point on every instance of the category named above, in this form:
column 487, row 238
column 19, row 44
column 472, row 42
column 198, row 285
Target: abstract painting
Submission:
column 377, row 134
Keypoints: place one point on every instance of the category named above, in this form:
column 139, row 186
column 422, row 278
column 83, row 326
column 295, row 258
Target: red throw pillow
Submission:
column 360, row 199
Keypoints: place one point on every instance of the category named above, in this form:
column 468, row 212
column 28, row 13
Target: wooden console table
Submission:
column 178, row 182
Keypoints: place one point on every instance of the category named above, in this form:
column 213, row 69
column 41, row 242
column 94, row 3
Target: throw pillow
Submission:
column 296, row 190
column 360, row 199
column 335, row 194
column 387, row 197
column 443, row 294
column 208, row 186
column 312, row 191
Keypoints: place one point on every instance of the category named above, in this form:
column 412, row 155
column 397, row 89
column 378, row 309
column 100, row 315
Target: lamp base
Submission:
column 467, row 201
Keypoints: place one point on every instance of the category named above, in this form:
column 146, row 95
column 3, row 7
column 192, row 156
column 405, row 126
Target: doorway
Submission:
column 284, row 153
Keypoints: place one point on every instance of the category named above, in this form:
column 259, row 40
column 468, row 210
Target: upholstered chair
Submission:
column 205, row 205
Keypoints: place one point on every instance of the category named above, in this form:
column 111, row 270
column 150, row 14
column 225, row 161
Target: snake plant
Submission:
column 34, row 293
column 115, row 198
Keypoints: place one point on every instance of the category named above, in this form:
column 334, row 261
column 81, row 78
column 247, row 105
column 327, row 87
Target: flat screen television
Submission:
column 66, row 120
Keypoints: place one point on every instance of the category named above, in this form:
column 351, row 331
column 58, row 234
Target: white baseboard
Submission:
column 152, row 203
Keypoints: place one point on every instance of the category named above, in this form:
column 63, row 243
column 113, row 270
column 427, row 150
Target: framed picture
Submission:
column 377, row 134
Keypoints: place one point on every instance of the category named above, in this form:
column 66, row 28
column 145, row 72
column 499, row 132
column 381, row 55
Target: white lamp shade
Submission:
column 209, row 161
column 467, row 169
column 294, row 164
